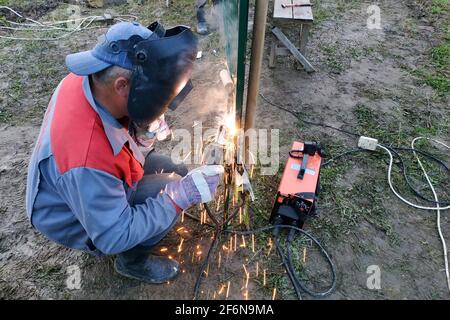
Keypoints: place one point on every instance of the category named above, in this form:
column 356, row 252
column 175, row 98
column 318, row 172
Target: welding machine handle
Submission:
column 303, row 167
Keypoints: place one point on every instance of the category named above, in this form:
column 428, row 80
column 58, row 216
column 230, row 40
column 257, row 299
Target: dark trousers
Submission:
column 158, row 171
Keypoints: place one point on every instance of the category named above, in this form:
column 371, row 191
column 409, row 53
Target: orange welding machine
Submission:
column 298, row 191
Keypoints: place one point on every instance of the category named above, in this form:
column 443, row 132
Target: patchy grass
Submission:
column 440, row 7
column 33, row 9
column 401, row 128
column 321, row 13
column 436, row 75
column 323, row 10
column 334, row 60
column 441, row 56
column 436, row 80
column 338, row 57
column 372, row 124
column 46, row 272
column 5, row 116
column 435, row 71
column 359, row 52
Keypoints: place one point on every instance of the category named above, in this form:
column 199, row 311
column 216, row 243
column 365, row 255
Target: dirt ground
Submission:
column 390, row 83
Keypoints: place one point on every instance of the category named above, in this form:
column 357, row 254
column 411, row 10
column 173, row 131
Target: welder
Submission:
column 89, row 185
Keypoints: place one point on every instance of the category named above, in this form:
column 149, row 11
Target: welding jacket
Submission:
column 82, row 174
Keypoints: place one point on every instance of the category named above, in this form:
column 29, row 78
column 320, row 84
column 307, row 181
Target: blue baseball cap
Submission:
column 104, row 54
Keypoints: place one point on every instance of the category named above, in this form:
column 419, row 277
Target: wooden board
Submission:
column 297, row 13
column 303, row 13
column 282, row 13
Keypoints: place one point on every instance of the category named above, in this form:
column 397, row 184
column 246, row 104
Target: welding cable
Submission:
column 405, row 175
column 437, row 208
column 402, row 166
column 187, row 214
column 389, row 175
column 205, row 263
column 289, row 271
column 324, row 253
column 298, row 116
column 291, row 275
column 19, row 15
column 78, row 28
column 392, row 151
column 218, row 230
column 290, row 265
column 37, row 26
column 345, row 153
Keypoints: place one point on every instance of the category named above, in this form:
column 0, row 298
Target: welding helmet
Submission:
column 161, row 62
column 162, row 67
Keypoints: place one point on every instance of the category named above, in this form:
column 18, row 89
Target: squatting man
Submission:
column 89, row 185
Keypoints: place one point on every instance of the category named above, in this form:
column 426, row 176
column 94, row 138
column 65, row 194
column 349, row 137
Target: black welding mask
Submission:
column 162, row 66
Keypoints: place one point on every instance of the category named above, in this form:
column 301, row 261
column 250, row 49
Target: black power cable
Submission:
column 219, row 228
column 300, row 284
column 445, row 202
column 403, row 168
column 298, row 116
column 291, row 274
column 205, row 263
column 287, row 259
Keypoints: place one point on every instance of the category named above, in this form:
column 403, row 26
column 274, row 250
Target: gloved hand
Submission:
column 198, row 186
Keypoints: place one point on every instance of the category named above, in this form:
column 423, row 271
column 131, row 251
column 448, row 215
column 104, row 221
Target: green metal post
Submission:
column 241, row 57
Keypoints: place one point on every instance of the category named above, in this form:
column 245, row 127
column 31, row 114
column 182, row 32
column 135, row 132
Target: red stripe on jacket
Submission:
column 79, row 140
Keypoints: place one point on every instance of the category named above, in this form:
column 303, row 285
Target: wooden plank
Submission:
column 303, row 13
column 288, row 44
column 282, row 13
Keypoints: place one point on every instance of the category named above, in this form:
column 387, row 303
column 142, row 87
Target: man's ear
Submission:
column 122, row 86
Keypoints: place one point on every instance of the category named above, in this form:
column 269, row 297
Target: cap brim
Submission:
column 84, row 63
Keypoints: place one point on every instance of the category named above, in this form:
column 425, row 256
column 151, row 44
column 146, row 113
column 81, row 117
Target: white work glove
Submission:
column 198, row 186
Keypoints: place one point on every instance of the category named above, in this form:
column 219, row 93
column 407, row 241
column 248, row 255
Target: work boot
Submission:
column 138, row 264
column 202, row 28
